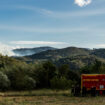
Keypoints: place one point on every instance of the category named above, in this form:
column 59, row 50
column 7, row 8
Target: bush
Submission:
column 20, row 80
column 60, row 83
column 4, row 81
column 29, row 83
column 25, row 83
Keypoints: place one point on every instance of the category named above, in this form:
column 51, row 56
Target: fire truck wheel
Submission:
column 93, row 91
column 84, row 91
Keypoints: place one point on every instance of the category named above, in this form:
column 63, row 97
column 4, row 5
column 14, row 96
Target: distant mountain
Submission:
column 77, row 62
column 75, row 57
column 99, row 52
column 30, row 51
column 61, row 53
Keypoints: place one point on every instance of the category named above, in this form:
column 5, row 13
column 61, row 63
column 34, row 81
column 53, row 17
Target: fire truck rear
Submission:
column 93, row 83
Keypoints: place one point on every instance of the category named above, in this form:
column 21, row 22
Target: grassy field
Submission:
column 47, row 97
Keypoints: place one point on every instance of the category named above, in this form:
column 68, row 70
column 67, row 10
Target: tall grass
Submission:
column 42, row 92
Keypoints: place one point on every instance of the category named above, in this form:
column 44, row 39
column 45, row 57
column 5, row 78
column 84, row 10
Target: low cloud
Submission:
column 101, row 45
column 82, row 3
column 6, row 49
column 36, row 43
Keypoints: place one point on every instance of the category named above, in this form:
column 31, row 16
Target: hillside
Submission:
column 75, row 57
column 77, row 62
column 60, row 53
column 99, row 53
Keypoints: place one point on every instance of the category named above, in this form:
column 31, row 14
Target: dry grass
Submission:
column 48, row 97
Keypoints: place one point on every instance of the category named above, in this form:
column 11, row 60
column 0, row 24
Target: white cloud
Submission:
column 27, row 8
column 91, row 29
column 41, row 30
column 36, row 43
column 69, row 14
column 78, row 14
column 61, row 14
column 6, row 50
column 34, row 9
column 82, row 3
column 100, row 45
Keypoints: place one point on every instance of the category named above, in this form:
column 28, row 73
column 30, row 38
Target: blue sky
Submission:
column 57, row 23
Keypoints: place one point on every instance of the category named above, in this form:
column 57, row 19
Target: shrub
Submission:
column 25, row 83
column 4, row 81
column 29, row 83
column 60, row 83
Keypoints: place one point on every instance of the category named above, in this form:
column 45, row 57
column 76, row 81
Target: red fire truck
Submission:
column 94, row 83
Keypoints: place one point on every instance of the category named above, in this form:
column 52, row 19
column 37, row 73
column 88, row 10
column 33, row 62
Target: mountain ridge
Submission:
column 75, row 57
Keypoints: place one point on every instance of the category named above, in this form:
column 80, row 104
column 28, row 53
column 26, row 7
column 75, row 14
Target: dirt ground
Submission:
column 47, row 97
column 52, row 100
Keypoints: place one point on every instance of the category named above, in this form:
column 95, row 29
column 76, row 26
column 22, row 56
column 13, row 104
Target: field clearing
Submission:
column 47, row 97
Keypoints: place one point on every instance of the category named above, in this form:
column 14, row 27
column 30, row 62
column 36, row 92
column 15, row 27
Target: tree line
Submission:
column 18, row 75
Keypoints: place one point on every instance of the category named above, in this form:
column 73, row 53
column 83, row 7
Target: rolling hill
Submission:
column 73, row 56
column 60, row 53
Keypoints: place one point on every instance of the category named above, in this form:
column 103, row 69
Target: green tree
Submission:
column 19, row 78
column 64, row 70
column 49, row 71
column 60, row 83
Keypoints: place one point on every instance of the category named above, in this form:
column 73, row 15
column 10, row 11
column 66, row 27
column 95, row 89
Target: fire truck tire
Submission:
column 93, row 91
column 84, row 91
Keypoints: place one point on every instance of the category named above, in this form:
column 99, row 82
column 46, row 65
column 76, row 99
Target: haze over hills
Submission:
column 73, row 56
column 30, row 51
